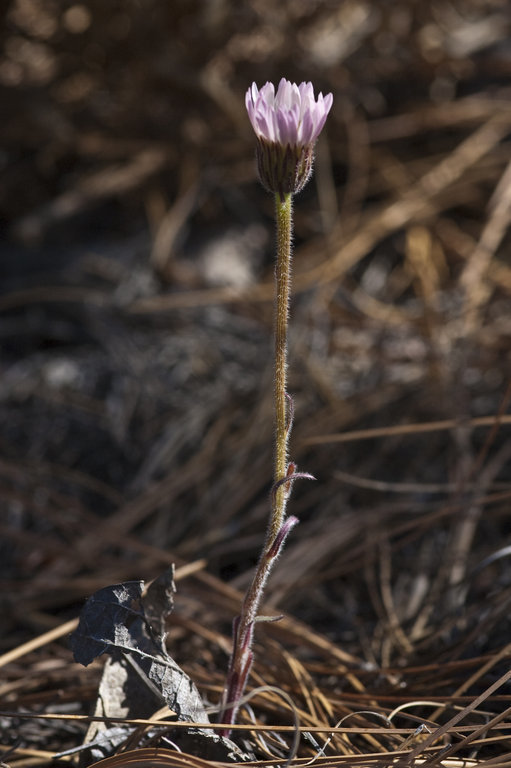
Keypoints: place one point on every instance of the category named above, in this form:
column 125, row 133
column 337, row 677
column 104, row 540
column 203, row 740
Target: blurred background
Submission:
column 136, row 253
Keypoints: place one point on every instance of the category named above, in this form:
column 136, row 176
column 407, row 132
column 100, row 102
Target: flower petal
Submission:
column 290, row 116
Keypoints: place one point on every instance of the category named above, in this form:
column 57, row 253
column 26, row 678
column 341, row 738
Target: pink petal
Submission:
column 289, row 116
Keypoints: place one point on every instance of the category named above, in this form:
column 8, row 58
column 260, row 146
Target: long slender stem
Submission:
column 278, row 528
column 283, row 283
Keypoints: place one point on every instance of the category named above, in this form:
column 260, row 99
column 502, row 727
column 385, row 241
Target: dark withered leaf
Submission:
column 106, row 619
column 127, row 621
column 157, row 604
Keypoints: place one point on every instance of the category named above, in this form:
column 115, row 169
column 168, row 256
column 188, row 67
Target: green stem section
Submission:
column 283, row 284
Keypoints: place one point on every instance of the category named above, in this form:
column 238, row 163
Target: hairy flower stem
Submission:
column 282, row 427
column 278, row 528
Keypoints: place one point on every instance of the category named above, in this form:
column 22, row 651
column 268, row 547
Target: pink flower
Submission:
column 287, row 125
column 290, row 117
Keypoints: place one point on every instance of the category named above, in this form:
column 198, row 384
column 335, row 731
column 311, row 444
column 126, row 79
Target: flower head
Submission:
column 289, row 117
column 287, row 125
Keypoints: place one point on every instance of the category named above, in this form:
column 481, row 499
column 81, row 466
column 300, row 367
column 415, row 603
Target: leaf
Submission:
column 127, row 621
column 105, row 620
column 158, row 603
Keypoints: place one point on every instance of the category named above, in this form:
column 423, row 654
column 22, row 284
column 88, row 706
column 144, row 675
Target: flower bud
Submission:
column 287, row 125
